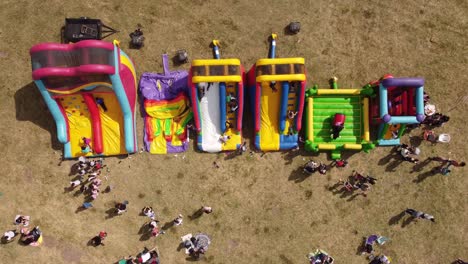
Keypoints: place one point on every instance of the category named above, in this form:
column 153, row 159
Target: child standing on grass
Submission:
column 178, row 220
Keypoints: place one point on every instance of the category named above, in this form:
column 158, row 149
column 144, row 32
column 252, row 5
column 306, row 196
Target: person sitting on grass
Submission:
column 127, row 260
column 8, row 236
column 30, row 237
column 145, row 255
column 22, row 219
column 148, row 211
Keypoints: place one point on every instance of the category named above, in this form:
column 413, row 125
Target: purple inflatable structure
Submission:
column 160, row 87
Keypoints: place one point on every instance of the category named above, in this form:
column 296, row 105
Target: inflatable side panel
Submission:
column 95, row 122
column 222, row 105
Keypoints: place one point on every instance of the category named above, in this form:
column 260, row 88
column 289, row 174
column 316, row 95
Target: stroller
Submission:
column 382, row 259
column 137, row 39
column 431, row 136
column 195, row 245
column 320, row 257
column 311, row 167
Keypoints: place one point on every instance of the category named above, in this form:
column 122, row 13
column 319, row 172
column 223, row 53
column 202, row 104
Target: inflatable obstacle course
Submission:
column 90, row 89
column 166, row 110
column 276, row 90
column 217, row 96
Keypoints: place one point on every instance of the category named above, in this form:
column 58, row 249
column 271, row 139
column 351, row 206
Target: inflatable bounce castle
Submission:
column 324, row 106
column 217, row 95
column 90, row 90
column 276, row 91
column 399, row 102
column 166, row 110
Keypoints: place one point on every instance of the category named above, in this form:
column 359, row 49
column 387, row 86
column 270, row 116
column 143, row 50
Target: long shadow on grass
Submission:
column 392, row 160
column 421, row 165
column 298, row 175
column 111, row 213
column 396, row 219
column 31, row 107
column 421, row 177
column 145, row 235
column 338, row 188
column 167, row 225
column 291, row 154
column 197, row 214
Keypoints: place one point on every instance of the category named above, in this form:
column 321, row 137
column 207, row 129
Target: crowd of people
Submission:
column 90, row 186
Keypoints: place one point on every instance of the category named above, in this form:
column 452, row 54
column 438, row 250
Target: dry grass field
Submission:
column 265, row 211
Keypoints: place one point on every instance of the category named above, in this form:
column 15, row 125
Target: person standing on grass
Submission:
column 98, row 240
column 322, row 169
column 121, row 207
column 206, row 209
column 456, row 163
column 415, row 214
column 178, row 220
column 428, row 217
column 420, row 215
column 339, row 163
column 74, row 183
column 242, row 148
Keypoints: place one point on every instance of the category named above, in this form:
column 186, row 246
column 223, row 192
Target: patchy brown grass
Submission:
column 263, row 211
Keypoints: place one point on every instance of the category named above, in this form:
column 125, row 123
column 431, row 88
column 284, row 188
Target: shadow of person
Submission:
column 407, row 221
column 396, row 218
column 388, row 157
column 167, row 225
column 180, row 247
column 231, row 155
column 419, row 166
column 291, row 154
column 416, row 141
column 145, row 235
column 391, row 167
column 79, row 209
column 111, row 212
column 30, row 106
column 352, row 197
column 145, row 232
column 421, row 177
column 361, row 247
column 197, row 214
column 73, row 169
column 298, row 175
